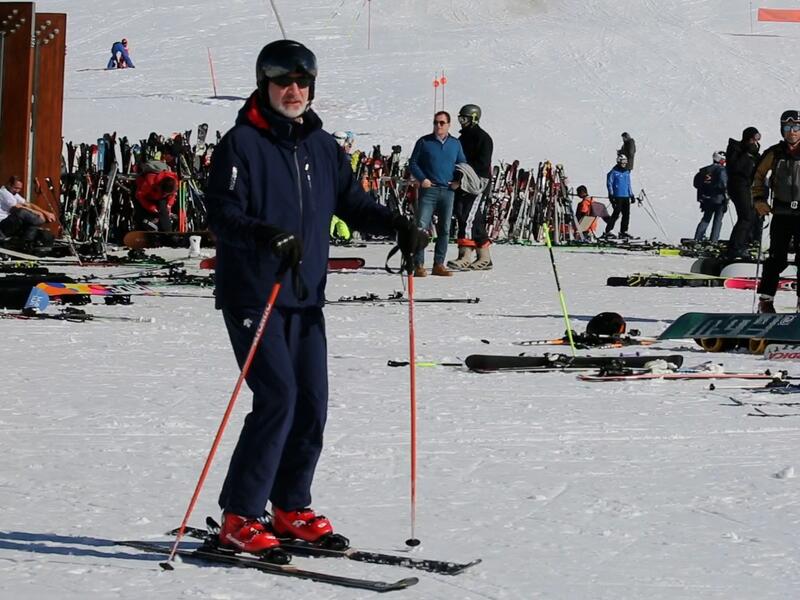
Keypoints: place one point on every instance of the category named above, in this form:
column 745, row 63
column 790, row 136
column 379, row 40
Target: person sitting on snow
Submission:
column 120, row 58
column 22, row 220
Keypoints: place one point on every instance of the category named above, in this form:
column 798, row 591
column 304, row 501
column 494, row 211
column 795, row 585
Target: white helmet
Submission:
column 718, row 156
column 340, row 137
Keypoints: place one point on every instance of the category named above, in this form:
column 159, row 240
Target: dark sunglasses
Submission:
column 793, row 128
column 441, row 122
column 286, row 80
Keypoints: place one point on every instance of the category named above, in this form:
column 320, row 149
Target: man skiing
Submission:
column 276, row 179
column 620, row 194
column 120, row 57
column 711, row 183
column 741, row 158
column 477, row 146
column 781, row 163
column 433, row 163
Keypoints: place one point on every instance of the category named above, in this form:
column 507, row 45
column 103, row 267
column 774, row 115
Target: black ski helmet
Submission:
column 471, row 112
column 606, row 323
column 283, row 57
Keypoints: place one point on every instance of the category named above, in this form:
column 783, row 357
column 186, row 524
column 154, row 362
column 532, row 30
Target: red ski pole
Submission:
column 276, row 288
column 412, row 365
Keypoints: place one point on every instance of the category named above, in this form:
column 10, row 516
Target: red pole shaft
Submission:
column 412, row 360
column 276, row 288
column 213, row 76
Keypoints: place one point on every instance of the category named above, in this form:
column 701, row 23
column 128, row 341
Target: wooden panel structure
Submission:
column 48, row 106
column 16, row 86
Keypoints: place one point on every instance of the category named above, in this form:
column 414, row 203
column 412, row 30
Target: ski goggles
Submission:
column 793, row 127
column 302, row 81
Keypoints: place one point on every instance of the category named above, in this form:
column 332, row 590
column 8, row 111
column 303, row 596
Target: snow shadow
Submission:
column 64, row 545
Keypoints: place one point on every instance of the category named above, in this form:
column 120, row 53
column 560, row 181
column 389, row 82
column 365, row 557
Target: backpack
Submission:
column 707, row 183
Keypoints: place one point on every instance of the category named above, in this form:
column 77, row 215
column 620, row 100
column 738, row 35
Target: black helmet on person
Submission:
column 469, row 114
column 281, row 58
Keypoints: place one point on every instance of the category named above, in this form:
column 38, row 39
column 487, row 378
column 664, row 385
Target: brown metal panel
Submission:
column 48, row 104
column 16, row 80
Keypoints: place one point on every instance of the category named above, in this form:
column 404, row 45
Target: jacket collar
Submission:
column 263, row 118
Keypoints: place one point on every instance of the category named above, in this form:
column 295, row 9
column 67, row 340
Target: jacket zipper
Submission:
column 299, row 185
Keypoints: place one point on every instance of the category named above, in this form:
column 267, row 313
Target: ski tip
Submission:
column 166, row 565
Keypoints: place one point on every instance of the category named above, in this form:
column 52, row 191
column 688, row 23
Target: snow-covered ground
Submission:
column 567, row 490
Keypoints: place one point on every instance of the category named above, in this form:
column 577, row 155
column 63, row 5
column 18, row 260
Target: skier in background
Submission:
column 120, row 57
column 471, row 233
column 711, row 183
column 628, row 149
column 620, row 194
column 269, row 223
column 781, row 164
column 340, row 232
column 741, row 159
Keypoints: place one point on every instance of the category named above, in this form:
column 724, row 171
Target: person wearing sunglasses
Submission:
column 276, row 180
column 781, row 164
column 433, row 164
column 741, row 158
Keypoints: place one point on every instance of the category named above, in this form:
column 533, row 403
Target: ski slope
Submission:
column 566, row 489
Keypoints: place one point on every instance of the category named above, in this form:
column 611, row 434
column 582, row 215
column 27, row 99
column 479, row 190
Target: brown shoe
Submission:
column 420, row 271
column 441, row 270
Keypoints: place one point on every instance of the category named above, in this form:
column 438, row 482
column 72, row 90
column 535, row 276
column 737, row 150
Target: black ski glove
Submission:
column 287, row 247
column 410, row 238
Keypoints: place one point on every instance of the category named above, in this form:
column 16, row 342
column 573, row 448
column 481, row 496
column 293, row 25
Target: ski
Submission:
column 300, row 548
column 750, row 283
column 675, row 375
column 559, row 362
column 583, row 341
column 339, row 264
column 217, row 557
column 665, row 280
column 397, row 297
column 782, row 352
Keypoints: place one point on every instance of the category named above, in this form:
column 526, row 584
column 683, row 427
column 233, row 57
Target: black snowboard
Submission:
column 555, row 362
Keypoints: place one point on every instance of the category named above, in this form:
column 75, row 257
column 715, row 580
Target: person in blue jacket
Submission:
column 433, row 163
column 620, row 193
column 276, row 180
column 120, row 58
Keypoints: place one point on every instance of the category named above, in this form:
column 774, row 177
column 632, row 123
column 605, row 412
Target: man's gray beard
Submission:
column 291, row 114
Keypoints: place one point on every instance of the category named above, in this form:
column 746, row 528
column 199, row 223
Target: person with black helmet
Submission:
column 741, row 158
column 620, row 194
column 628, row 149
column 275, row 182
column 781, row 164
column 711, row 183
column 471, row 234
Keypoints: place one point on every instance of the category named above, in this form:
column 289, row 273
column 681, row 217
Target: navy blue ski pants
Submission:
column 281, row 439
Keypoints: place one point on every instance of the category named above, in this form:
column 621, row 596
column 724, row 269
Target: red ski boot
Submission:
column 246, row 534
column 304, row 524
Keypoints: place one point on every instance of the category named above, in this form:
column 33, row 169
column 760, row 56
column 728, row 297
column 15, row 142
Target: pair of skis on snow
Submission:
column 210, row 553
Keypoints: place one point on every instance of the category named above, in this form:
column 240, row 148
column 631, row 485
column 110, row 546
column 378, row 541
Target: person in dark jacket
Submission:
column 711, row 183
column 275, row 182
column 620, row 194
column 433, row 163
column 781, row 164
column 628, row 149
column 471, row 233
column 120, row 56
column 741, row 159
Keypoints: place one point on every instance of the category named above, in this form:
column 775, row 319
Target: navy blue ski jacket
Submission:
column 268, row 170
